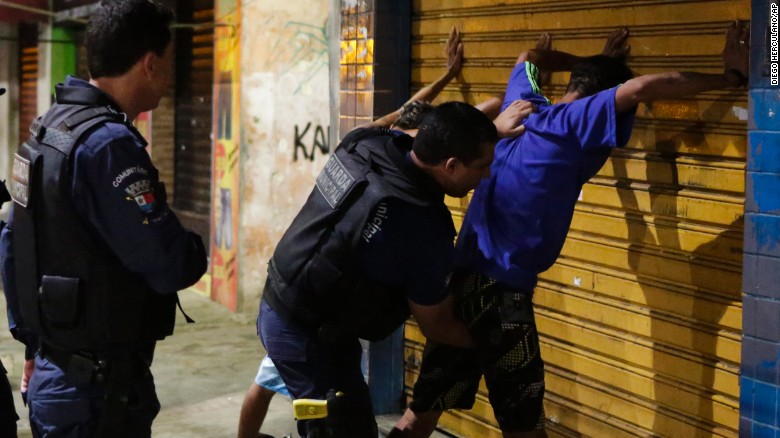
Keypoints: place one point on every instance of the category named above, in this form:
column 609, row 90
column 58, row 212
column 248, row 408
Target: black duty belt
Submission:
column 114, row 370
column 271, row 294
column 83, row 367
column 281, row 309
column 324, row 331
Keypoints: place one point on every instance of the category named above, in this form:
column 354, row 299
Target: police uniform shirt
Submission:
column 408, row 245
column 405, row 244
column 113, row 190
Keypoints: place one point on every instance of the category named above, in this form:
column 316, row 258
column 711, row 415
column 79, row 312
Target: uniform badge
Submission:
column 141, row 192
column 20, row 180
column 335, row 181
column 146, row 202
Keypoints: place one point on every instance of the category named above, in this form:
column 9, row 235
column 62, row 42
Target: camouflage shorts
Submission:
column 502, row 323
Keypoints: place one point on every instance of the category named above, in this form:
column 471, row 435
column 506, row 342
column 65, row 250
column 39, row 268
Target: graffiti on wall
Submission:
column 300, row 43
column 308, row 141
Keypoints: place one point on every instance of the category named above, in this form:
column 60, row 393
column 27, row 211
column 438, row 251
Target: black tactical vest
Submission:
column 73, row 291
column 311, row 277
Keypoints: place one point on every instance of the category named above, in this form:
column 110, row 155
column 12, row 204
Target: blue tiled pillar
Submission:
column 760, row 378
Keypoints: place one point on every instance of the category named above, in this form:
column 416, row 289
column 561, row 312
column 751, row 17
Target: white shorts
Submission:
column 268, row 377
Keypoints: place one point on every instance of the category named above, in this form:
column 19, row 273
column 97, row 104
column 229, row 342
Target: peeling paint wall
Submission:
column 285, row 125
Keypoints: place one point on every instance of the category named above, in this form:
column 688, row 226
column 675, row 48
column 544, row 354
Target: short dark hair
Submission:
column 453, row 129
column 120, row 32
column 598, row 73
column 412, row 114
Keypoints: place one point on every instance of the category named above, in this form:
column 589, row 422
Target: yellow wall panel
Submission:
column 681, row 302
column 631, row 379
column 702, row 241
column 633, row 410
column 585, row 421
column 678, row 365
column 712, row 175
column 713, row 208
column 634, row 321
column 576, row 15
column 706, row 37
column 703, row 138
column 623, row 379
column 718, row 278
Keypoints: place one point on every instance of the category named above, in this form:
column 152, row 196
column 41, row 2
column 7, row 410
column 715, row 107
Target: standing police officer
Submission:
column 93, row 256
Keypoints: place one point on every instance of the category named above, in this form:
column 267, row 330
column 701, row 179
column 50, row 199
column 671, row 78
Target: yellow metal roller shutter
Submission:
column 640, row 318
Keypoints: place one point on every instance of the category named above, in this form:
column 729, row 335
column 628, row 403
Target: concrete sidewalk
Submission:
column 202, row 373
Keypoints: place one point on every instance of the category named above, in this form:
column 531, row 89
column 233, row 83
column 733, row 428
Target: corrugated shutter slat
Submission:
column 194, row 90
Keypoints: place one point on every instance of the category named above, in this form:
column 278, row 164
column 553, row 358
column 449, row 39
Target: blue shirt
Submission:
column 519, row 217
column 113, row 191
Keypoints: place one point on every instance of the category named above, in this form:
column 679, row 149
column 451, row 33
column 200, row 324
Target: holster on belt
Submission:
column 115, row 372
column 112, row 416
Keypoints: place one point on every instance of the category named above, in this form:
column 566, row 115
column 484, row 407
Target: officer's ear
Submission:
column 150, row 63
column 451, row 165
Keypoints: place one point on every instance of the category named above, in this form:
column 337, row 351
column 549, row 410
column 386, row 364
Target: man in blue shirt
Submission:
column 518, row 219
column 93, row 256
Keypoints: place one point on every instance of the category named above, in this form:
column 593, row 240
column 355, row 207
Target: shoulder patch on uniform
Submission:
column 127, row 172
column 335, row 182
column 20, row 180
column 141, row 192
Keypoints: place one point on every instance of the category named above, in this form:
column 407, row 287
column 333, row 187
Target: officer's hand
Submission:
column 29, row 366
column 508, row 123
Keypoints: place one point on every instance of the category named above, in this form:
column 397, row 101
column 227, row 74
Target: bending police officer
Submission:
column 405, row 119
column 93, row 255
column 371, row 244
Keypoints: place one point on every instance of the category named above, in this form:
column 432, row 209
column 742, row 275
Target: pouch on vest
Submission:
column 60, row 300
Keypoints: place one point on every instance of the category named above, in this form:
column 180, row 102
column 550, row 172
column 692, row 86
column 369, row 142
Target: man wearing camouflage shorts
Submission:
column 509, row 356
